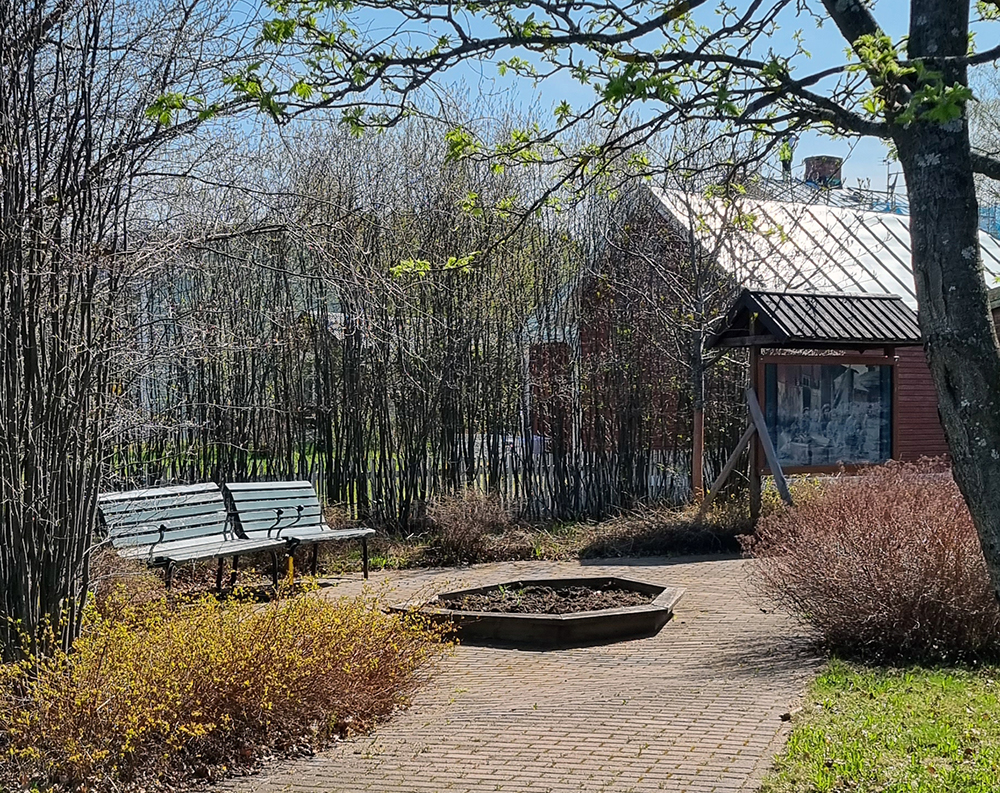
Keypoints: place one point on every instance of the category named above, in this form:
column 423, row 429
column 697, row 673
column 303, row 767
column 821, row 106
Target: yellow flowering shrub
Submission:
column 157, row 693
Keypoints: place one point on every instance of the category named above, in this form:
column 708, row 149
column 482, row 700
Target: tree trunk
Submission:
column 698, row 423
column 958, row 331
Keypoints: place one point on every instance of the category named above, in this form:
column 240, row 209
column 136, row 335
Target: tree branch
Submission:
column 853, row 19
column 986, row 165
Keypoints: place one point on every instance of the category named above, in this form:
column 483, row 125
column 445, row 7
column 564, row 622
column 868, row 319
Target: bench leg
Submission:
column 168, row 574
column 314, row 558
column 364, row 557
column 218, row 574
column 274, row 569
column 236, row 569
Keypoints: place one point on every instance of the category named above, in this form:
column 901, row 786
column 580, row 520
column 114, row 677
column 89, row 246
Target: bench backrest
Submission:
column 162, row 514
column 256, row 507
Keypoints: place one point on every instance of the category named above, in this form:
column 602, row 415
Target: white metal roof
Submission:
column 863, row 198
column 789, row 245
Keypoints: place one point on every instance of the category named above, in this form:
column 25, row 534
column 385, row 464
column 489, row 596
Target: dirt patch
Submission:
column 549, row 600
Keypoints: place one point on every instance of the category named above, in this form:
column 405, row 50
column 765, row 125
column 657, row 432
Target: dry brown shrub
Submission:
column 884, row 564
column 472, row 527
column 156, row 695
column 665, row 530
column 115, row 581
column 338, row 516
column 111, row 573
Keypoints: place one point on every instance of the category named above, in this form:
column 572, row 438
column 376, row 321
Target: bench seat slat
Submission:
column 217, row 517
column 261, row 508
column 321, row 535
column 183, row 552
column 263, row 528
column 237, row 487
column 280, row 497
column 157, row 550
column 124, row 506
column 182, row 493
column 287, row 515
column 152, row 513
column 151, row 535
column 214, row 550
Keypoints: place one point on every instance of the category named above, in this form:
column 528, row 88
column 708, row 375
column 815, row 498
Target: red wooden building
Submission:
column 823, row 243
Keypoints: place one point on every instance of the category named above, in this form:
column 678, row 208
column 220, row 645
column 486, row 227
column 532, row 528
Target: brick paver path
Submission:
column 697, row 708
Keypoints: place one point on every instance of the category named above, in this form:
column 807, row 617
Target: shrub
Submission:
column 473, row 527
column 151, row 695
column 883, row 564
column 668, row 530
column 115, row 580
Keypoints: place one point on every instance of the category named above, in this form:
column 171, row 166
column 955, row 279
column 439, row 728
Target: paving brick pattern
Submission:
column 696, row 708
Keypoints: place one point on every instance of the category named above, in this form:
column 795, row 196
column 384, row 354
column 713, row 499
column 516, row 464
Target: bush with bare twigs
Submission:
column 152, row 695
column 663, row 530
column 114, row 580
column 474, row 527
column 886, row 564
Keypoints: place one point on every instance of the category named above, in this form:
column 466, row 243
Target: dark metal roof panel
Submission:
column 822, row 319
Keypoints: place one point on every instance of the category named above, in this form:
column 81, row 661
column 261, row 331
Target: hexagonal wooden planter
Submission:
column 552, row 631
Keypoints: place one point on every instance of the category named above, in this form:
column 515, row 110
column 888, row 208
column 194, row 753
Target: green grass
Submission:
column 917, row 730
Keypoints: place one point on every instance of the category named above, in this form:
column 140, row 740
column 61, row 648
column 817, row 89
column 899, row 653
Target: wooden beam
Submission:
column 774, row 343
column 698, row 454
column 727, row 470
column 756, row 484
column 748, row 341
column 757, row 415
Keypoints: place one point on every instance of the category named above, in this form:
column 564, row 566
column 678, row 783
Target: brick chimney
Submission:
column 824, row 171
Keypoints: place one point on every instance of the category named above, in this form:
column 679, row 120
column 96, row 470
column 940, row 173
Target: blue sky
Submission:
column 865, row 159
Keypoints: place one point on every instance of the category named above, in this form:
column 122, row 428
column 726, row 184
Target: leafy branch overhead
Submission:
column 650, row 65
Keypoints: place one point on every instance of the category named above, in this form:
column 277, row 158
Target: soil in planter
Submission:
column 548, row 600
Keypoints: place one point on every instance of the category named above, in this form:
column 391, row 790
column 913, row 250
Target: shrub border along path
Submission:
column 698, row 708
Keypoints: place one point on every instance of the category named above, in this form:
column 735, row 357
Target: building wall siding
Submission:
column 919, row 432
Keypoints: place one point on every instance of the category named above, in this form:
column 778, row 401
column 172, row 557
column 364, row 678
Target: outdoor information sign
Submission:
column 828, row 414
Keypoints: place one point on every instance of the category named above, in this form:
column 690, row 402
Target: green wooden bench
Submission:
column 167, row 526
column 288, row 511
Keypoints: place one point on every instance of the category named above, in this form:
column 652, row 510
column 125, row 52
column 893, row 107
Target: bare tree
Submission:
column 90, row 92
column 374, row 314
